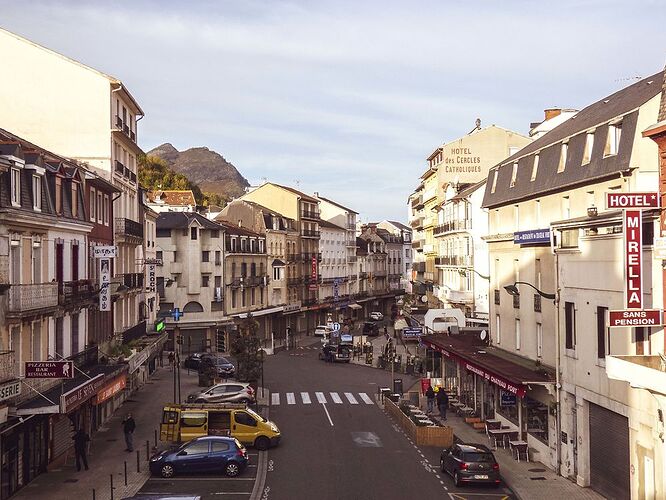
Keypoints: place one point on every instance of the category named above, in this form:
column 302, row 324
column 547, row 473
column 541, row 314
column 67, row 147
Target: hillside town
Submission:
column 525, row 282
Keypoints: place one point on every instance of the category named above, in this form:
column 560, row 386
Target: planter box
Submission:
column 472, row 420
column 441, row 437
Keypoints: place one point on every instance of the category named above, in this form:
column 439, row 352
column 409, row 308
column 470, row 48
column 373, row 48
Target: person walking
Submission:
column 442, row 402
column 81, row 439
column 430, row 397
column 128, row 428
column 172, row 358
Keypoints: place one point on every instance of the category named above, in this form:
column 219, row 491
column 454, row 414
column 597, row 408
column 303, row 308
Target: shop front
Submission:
column 109, row 398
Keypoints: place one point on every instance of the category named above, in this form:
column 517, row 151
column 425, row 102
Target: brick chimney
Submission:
column 552, row 112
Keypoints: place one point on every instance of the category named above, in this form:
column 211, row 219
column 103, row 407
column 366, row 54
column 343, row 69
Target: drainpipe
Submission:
column 558, row 375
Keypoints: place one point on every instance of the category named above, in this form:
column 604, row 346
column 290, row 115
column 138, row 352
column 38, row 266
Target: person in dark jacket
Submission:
column 81, row 439
column 430, row 397
column 442, row 402
column 128, row 428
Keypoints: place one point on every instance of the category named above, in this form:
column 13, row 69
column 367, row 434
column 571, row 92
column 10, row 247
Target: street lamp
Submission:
column 513, row 290
column 463, row 272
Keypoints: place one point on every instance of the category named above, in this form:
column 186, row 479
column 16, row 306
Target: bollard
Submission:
column 155, row 438
column 93, row 493
column 111, row 476
column 125, row 463
column 138, row 461
column 147, row 450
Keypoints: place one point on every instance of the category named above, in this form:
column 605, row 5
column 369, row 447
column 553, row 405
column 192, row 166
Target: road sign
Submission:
column 336, row 326
column 645, row 317
column 632, row 201
column 49, row 369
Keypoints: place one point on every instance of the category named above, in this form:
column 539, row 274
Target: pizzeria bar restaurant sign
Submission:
column 49, row 369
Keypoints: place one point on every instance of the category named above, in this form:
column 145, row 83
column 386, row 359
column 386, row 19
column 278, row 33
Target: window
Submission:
column 159, row 254
column 498, row 332
column 570, row 325
column 189, row 419
column 59, row 337
column 243, row 418
column 175, row 256
column 218, row 257
column 205, row 279
column 218, row 281
column 234, row 298
column 16, row 187
column 569, row 238
column 492, row 189
column 93, row 204
column 535, row 168
column 641, row 334
column 15, row 345
column 587, row 153
column 518, row 335
column 516, row 217
column 539, row 340
column 243, row 243
column 215, row 233
column 194, row 233
column 219, row 446
column 243, row 297
column 205, row 256
column 75, row 200
column 613, row 139
column 76, row 347
column 37, row 341
column 252, row 296
column 514, row 174
column 563, row 158
column 58, row 195
column 37, row 193
column 106, row 210
column 601, row 332
column 100, row 207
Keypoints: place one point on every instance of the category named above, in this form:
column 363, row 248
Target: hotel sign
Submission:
column 633, row 259
column 646, row 317
column 532, row 237
column 629, row 201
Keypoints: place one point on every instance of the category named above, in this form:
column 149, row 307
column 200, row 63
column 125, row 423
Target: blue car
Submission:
column 204, row 454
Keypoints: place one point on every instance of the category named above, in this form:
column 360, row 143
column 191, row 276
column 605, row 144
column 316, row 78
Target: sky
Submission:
column 348, row 98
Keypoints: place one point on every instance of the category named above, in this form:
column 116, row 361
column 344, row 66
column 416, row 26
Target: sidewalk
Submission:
column 528, row 480
column 107, row 455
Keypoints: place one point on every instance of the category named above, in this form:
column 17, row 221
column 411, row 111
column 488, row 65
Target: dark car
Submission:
column 470, row 463
column 370, row 328
column 193, row 361
column 223, row 367
column 204, row 454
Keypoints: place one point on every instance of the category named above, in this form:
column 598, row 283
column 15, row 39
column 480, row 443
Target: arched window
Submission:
column 193, row 307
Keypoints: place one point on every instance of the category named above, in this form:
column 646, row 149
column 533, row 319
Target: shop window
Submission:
column 536, row 416
column 508, row 406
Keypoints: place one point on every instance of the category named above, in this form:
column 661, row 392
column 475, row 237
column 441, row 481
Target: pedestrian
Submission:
column 430, row 397
column 128, row 428
column 80, row 440
column 172, row 358
column 442, row 402
column 162, row 357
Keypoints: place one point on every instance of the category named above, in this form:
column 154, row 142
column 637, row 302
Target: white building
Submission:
column 334, row 270
column 407, row 254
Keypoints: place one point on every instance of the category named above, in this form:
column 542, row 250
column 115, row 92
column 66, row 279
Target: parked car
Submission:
column 193, row 361
column 470, row 463
column 204, row 454
column 226, row 392
column 376, row 315
column 322, row 331
column 224, row 367
column 370, row 329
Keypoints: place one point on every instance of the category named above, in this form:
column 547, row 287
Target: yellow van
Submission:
column 184, row 422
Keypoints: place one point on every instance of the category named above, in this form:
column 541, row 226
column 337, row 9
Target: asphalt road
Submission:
column 337, row 442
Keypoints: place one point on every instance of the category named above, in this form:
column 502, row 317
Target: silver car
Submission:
column 226, row 392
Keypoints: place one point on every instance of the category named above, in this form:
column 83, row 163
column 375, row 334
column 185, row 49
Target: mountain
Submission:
column 204, row 167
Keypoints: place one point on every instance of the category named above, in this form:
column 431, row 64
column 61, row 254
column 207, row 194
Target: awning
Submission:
column 261, row 312
column 354, row 306
column 488, row 362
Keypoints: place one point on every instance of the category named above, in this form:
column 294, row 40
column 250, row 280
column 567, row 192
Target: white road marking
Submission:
column 366, row 399
column 275, row 398
column 336, row 398
column 291, row 400
column 320, row 397
column 306, row 398
column 327, row 414
column 350, row 397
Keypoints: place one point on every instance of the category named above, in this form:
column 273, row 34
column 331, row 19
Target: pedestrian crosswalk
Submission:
column 335, row 398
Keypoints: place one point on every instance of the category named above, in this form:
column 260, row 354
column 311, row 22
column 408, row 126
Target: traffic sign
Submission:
column 336, row 326
column 632, row 201
column 645, row 317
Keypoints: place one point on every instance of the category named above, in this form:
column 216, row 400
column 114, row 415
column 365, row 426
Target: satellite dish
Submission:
column 483, row 335
column 424, row 299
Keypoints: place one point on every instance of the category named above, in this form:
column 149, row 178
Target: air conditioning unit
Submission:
column 218, row 294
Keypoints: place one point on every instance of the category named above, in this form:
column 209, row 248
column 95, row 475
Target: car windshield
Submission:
column 479, row 457
column 255, row 415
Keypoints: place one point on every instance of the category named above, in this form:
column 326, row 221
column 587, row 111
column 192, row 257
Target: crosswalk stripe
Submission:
column 320, row 397
column 306, row 398
column 336, row 398
column 350, row 397
column 291, row 400
column 275, row 398
column 366, row 399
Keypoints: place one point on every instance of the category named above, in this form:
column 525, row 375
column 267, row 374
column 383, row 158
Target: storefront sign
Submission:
column 151, row 277
column 49, row 369
column 111, row 389
column 645, row 317
column 138, row 359
column 412, row 333
column 79, row 395
column 149, row 260
column 10, row 389
column 635, row 201
column 507, row 399
column 292, row 308
column 633, row 250
column 496, row 379
column 531, row 237
column 104, row 282
column 105, row 251
column 313, row 273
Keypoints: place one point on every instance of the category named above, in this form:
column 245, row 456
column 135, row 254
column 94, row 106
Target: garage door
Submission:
column 193, row 340
column 609, row 453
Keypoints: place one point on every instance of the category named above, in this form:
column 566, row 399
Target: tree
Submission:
column 245, row 348
column 154, row 174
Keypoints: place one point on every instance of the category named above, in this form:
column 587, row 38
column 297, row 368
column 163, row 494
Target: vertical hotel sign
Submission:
column 313, row 273
column 104, row 254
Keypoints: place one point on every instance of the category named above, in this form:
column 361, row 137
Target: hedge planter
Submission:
column 441, row 437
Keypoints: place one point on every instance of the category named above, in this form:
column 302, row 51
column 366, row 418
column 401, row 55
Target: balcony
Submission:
column 120, row 168
column 644, row 372
column 125, row 129
column 135, row 332
column 294, row 281
column 32, row 297
column 417, row 223
column 73, row 292
column 308, row 256
column 418, row 201
column 455, row 225
column 8, row 367
column 235, row 283
column 309, row 233
column 129, row 229
column 293, row 257
column 310, row 214
column 351, row 243
column 255, row 280
column 417, row 244
column 454, row 260
column 132, row 280
column 351, row 226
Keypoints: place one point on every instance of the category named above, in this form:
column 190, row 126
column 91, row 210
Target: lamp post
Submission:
column 513, row 290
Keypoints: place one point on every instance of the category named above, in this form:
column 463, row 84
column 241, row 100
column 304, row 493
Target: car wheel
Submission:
column 232, row 469
column 262, row 443
column 199, row 400
column 456, row 479
column 167, row 471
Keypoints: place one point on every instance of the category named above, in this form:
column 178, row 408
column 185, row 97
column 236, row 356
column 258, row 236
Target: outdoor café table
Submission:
column 520, row 447
column 492, row 424
column 466, row 409
column 500, row 434
column 457, row 404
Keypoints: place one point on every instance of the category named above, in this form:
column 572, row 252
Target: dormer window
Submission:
column 563, row 157
column 75, row 200
column 535, row 168
column 494, row 186
column 58, row 195
column 194, row 233
column 587, row 153
column 514, row 174
column 613, row 139
column 37, row 193
column 16, row 187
